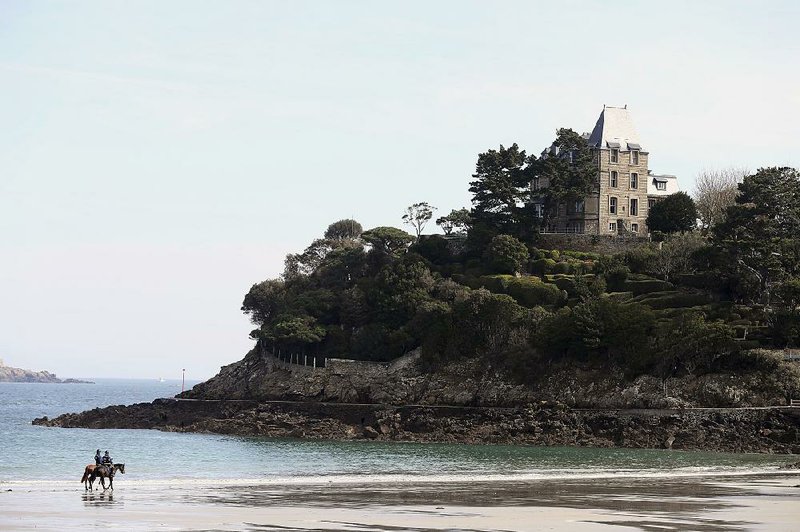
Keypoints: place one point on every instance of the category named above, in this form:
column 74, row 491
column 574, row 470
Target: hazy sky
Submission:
column 158, row 158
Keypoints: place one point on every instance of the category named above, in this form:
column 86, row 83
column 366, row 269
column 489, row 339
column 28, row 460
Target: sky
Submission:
column 158, row 158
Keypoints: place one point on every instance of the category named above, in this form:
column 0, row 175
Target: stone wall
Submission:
column 589, row 242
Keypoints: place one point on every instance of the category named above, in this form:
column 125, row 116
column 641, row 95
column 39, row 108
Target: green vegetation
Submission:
column 690, row 305
column 675, row 213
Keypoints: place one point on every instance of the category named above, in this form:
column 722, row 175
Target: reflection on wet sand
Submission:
column 666, row 504
column 99, row 499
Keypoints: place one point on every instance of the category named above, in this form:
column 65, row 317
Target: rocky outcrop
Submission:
column 9, row 374
column 470, row 382
column 467, row 402
column 723, row 430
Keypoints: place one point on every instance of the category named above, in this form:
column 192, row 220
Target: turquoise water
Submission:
column 42, row 453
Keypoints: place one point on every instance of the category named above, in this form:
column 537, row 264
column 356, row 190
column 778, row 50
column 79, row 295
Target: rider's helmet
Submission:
column 106, row 453
column 98, row 451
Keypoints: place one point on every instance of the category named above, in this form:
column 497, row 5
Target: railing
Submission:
column 794, row 402
column 309, row 361
column 576, row 231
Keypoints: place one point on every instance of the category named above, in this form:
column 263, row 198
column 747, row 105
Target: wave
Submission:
column 414, row 479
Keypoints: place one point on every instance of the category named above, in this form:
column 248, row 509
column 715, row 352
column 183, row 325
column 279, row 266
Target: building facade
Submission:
column 625, row 188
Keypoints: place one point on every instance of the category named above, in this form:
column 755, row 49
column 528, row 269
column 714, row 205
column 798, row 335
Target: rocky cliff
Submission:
column 260, row 376
column 469, row 402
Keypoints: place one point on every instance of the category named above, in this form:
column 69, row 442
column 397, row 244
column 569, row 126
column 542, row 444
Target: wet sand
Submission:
column 759, row 502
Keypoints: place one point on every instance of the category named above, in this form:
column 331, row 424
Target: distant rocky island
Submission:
column 9, row 374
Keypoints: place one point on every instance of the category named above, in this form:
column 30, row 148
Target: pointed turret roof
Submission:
column 615, row 129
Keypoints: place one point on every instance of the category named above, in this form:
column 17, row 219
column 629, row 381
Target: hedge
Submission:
column 646, row 286
column 542, row 266
column 673, row 299
column 528, row 291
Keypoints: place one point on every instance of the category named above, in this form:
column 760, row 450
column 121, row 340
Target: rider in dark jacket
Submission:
column 97, row 458
column 107, row 462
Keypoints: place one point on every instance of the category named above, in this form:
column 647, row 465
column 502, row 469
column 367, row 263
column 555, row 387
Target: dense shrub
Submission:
column 645, row 286
column 528, row 291
column 582, row 255
column 640, row 259
column 506, row 254
column 433, row 248
column 542, row 266
column 532, row 292
column 562, row 267
column 673, row 299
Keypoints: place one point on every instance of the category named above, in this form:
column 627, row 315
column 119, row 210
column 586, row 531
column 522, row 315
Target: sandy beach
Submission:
column 745, row 502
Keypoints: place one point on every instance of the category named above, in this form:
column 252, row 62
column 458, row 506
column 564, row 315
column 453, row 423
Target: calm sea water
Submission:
column 41, row 453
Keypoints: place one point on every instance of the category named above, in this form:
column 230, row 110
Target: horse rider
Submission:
column 97, row 458
column 107, row 462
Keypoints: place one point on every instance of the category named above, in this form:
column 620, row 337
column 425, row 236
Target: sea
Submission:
column 31, row 453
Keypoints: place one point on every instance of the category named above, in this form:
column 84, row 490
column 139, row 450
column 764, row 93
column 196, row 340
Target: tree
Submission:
column 387, row 240
column 506, row 254
column 485, row 323
column 295, row 332
column 691, row 342
column 346, row 229
column 714, row 192
column 758, row 242
column 265, row 301
column 566, row 173
column 675, row 213
column 457, row 220
column 676, row 255
column 418, row 215
column 500, row 185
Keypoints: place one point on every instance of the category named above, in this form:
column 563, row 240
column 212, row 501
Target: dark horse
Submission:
column 93, row 472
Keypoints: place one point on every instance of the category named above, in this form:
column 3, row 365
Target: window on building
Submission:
column 537, row 210
column 634, row 228
column 661, row 185
column 613, row 178
column 635, row 157
column 614, row 155
column 634, row 207
column 612, row 226
column 650, row 203
column 634, row 180
column 580, row 205
column 612, row 205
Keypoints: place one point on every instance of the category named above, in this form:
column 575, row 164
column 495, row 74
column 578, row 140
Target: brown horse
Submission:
column 103, row 472
column 86, row 474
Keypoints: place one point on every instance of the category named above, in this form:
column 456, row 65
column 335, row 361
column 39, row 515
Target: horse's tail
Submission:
column 85, row 476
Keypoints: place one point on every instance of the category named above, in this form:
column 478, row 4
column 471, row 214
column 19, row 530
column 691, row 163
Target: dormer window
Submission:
column 635, row 157
column 614, row 155
column 661, row 185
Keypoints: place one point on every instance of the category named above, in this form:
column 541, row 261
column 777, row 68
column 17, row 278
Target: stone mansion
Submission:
column 626, row 187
